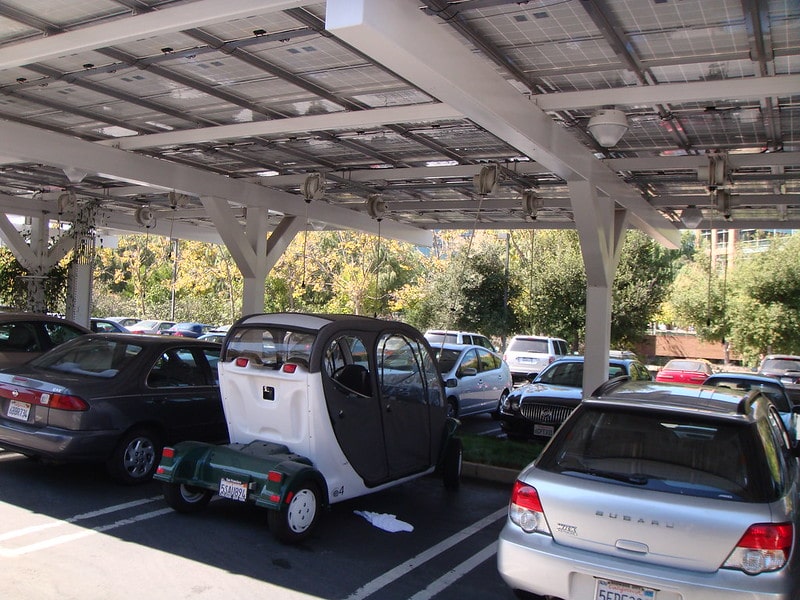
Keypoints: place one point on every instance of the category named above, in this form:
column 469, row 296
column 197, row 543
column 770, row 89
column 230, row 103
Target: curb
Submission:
column 489, row 473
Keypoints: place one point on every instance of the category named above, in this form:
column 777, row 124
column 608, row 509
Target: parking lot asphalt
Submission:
column 67, row 532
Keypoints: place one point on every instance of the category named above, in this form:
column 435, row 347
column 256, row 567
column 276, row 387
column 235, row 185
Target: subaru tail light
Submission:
column 525, row 509
column 763, row 547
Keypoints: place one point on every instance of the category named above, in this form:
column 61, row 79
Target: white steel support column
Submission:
column 34, row 256
column 601, row 229
column 256, row 235
column 253, row 252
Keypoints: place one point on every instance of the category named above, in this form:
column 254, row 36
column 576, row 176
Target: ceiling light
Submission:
column 691, row 217
column 608, row 126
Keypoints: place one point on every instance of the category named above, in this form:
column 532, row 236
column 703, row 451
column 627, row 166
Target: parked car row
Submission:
column 646, row 489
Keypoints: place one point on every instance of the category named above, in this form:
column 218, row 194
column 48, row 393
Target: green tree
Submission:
column 344, row 271
column 643, row 281
column 550, row 269
column 14, row 286
column 764, row 300
column 466, row 287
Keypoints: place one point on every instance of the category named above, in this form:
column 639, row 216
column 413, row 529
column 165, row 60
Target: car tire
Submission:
column 452, row 463
column 496, row 412
column 186, row 499
column 295, row 520
column 136, row 457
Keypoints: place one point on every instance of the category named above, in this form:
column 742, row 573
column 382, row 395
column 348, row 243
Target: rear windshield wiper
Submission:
column 635, row 479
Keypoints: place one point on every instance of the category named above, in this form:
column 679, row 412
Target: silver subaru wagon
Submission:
column 655, row 491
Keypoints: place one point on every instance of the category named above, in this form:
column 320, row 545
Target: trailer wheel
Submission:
column 186, row 498
column 295, row 520
column 451, row 466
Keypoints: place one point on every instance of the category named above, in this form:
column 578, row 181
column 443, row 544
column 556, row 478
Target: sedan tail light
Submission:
column 525, row 509
column 63, row 402
column 50, row 400
column 763, row 547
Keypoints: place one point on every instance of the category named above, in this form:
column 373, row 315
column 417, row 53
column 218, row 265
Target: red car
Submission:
column 685, row 370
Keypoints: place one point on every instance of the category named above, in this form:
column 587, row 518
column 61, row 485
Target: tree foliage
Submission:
column 526, row 281
column 753, row 304
column 14, row 284
column 466, row 287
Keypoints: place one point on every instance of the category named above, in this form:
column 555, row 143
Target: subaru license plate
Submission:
column 606, row 589
column 232, row 489
column 18, row 410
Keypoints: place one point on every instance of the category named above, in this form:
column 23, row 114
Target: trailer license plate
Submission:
column 616, row 590
column 235, row 490
column 18, row 410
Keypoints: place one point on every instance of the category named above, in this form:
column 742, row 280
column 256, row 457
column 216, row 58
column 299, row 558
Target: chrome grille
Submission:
column 553, row 414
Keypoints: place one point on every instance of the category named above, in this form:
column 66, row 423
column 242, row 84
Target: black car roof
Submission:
column 753, row 377
column 611, row 360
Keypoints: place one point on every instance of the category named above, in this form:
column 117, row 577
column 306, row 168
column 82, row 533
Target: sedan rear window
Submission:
column 780, row 365
column 671, row 453
column 94, row 357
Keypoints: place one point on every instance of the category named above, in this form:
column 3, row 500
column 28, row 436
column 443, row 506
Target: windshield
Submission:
column 566, row 373
column 681, row 454
column 93, row 357
column 446, row 358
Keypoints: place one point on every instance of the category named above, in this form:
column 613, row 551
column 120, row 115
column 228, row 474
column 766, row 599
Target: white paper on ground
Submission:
column 385, row 521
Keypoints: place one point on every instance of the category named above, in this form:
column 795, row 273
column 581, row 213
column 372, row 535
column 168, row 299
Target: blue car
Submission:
column 476, row 379
column 190, row 330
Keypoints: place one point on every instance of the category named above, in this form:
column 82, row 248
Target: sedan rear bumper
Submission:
column 58, row 444
column 536, row 564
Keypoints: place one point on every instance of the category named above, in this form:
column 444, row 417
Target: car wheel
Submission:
column 186, row 498
column 135, row 458
column 496, row 412
column 451, row 466
column 296, row 519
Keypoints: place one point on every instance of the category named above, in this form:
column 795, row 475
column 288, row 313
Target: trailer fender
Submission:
column 286, row 477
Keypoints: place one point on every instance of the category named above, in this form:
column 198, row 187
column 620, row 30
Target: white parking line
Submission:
column 454, row 575
column 63, row 539
column 423, row 557
column 82, row 517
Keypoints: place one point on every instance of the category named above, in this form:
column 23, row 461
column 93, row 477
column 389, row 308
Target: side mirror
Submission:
column 452, row 382
column 468, row 372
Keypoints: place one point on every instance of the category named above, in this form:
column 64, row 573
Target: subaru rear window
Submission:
column 666, row 452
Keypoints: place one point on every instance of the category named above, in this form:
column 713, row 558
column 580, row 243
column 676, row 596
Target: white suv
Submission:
column 437, row 337
column 527, row 355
